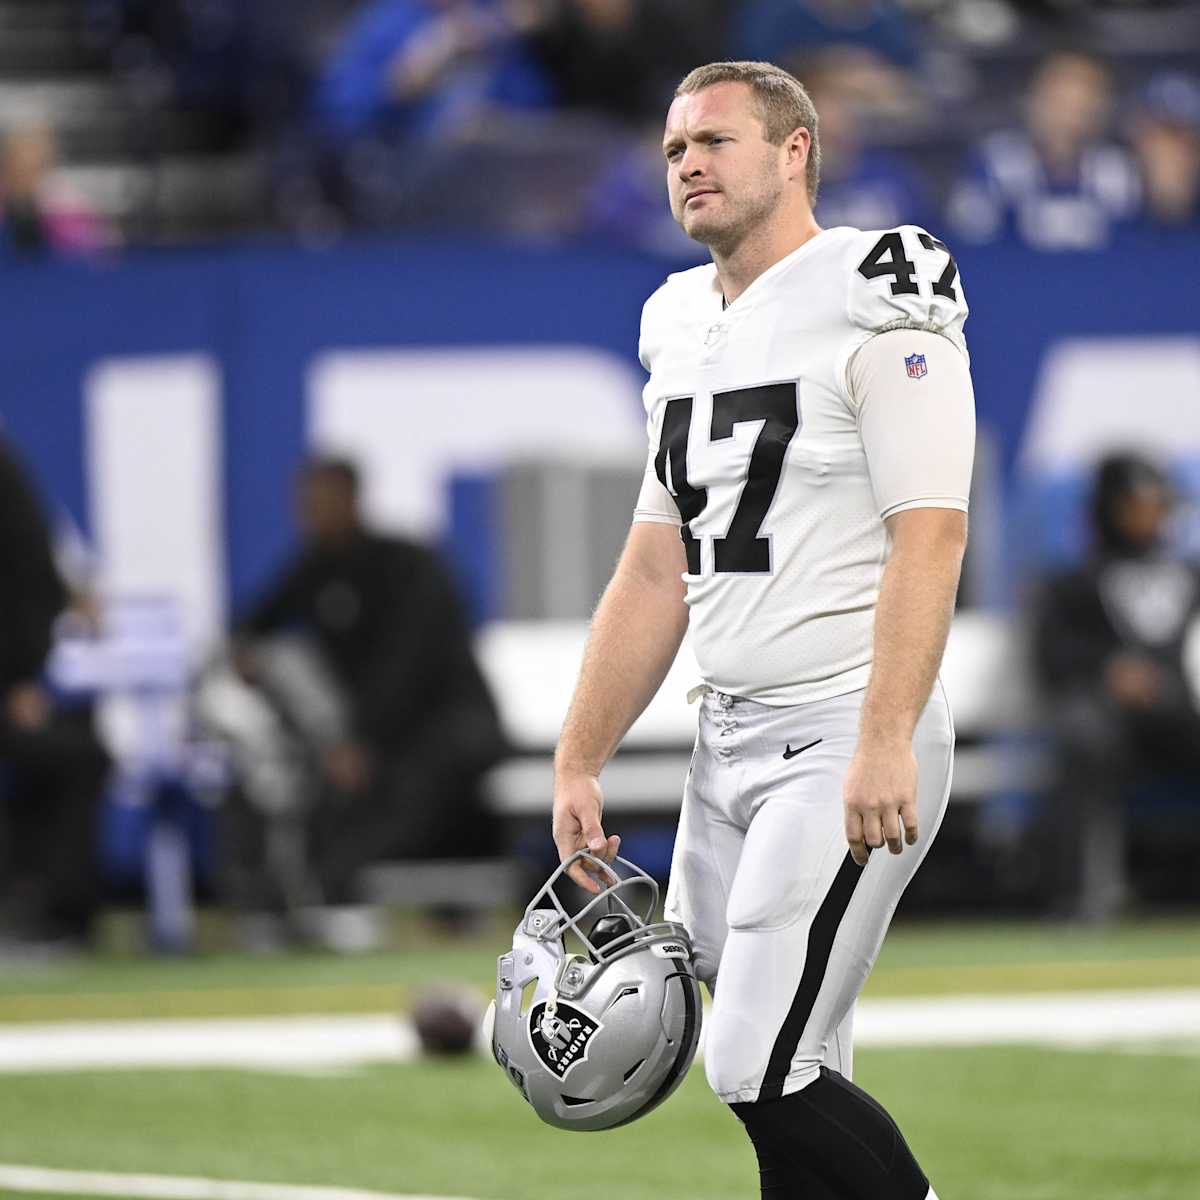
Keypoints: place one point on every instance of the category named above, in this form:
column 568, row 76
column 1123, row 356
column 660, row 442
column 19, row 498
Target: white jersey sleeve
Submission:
column 901, row 278
column 651, row 333
column 654, row 502
column 912, row 392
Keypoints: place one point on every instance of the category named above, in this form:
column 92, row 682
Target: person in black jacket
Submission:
column 623, row 58
column 417, row 728
column 1109, row 641
column 52, row 767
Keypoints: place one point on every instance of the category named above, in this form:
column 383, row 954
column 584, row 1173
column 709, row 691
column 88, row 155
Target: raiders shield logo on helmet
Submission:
column 561, row 1041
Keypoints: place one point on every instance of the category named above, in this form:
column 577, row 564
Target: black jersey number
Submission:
column 741, row 551
column 887, row 257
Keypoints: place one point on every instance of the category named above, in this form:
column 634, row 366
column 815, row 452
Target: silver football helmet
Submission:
column 596, row 1037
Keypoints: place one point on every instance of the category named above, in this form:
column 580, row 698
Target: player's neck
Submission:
column 739, row 266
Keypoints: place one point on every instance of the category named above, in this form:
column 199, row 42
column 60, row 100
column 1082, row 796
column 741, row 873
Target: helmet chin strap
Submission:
column 550, row 1012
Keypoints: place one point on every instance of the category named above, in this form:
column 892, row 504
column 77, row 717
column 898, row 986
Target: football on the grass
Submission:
column 446, row 1020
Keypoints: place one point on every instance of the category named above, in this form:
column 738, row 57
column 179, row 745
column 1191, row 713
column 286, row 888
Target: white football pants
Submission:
column 763, row 880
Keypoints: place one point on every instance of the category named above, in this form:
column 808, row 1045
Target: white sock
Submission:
column 932, row 1195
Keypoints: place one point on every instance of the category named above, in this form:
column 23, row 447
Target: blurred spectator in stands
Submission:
column 52, row 768
column 773, row 29
column 36, row 218
column 1058, row 183
column 623, row 58
column 1108, row 653
column 412, row 83
column 236, row 67
column 1166, row 140
column 861, row 185
column 381, row 676
column 872, row 45
column 428, row 68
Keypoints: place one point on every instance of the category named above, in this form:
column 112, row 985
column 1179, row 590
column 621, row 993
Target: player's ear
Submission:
column 797, row 144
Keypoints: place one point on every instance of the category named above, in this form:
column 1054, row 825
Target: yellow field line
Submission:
column 1082, row 974
column 1059, row 975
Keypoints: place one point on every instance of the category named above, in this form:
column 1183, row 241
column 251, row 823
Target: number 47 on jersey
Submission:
column 742, row 551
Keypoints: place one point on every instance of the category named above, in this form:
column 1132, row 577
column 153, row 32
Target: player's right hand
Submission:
column 578, row 805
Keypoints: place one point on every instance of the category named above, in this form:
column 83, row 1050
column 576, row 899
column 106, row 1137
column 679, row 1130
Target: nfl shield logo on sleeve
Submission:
column 916, row 366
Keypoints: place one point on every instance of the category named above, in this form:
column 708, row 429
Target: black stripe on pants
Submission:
column 820, row 944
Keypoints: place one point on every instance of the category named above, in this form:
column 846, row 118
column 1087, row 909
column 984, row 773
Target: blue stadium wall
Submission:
column 263, row 314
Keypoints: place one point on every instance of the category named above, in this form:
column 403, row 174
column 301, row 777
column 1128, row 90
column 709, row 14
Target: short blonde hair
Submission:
column 783, row 104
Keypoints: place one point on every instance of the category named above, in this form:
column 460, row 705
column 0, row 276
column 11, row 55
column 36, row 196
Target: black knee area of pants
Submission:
column 833, row 1135
column 781, row 1178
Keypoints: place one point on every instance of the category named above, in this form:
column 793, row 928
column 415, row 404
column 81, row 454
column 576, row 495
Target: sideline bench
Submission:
column 532, row 667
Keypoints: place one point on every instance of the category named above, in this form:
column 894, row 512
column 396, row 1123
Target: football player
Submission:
column 811, row 428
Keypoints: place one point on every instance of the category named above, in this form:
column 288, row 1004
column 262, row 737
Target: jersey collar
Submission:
column 774, row 269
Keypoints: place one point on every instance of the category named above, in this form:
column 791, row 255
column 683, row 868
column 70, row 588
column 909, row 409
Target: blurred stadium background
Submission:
column 415, row 236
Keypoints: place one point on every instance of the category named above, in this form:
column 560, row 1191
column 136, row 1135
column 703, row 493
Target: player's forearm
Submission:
column 634, row 638
column 912, row 622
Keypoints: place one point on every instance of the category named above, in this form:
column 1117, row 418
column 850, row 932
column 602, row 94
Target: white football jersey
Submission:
column 761, row 448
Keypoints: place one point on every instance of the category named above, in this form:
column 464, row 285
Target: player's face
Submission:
column 723, row 176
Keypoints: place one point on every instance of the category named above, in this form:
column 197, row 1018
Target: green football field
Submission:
column 987, row 1122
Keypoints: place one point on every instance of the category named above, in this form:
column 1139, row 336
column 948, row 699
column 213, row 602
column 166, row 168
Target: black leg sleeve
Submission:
column 831, row 1136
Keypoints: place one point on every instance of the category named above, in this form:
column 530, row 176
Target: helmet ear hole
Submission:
column 527, row 993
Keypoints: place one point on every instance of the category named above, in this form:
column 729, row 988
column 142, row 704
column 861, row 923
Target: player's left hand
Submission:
column 880, row 797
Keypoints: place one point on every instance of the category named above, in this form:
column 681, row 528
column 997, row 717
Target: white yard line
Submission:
column 264, row 1043
column 335, row 1042
column 1057, row 1019
column 174, row 1187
